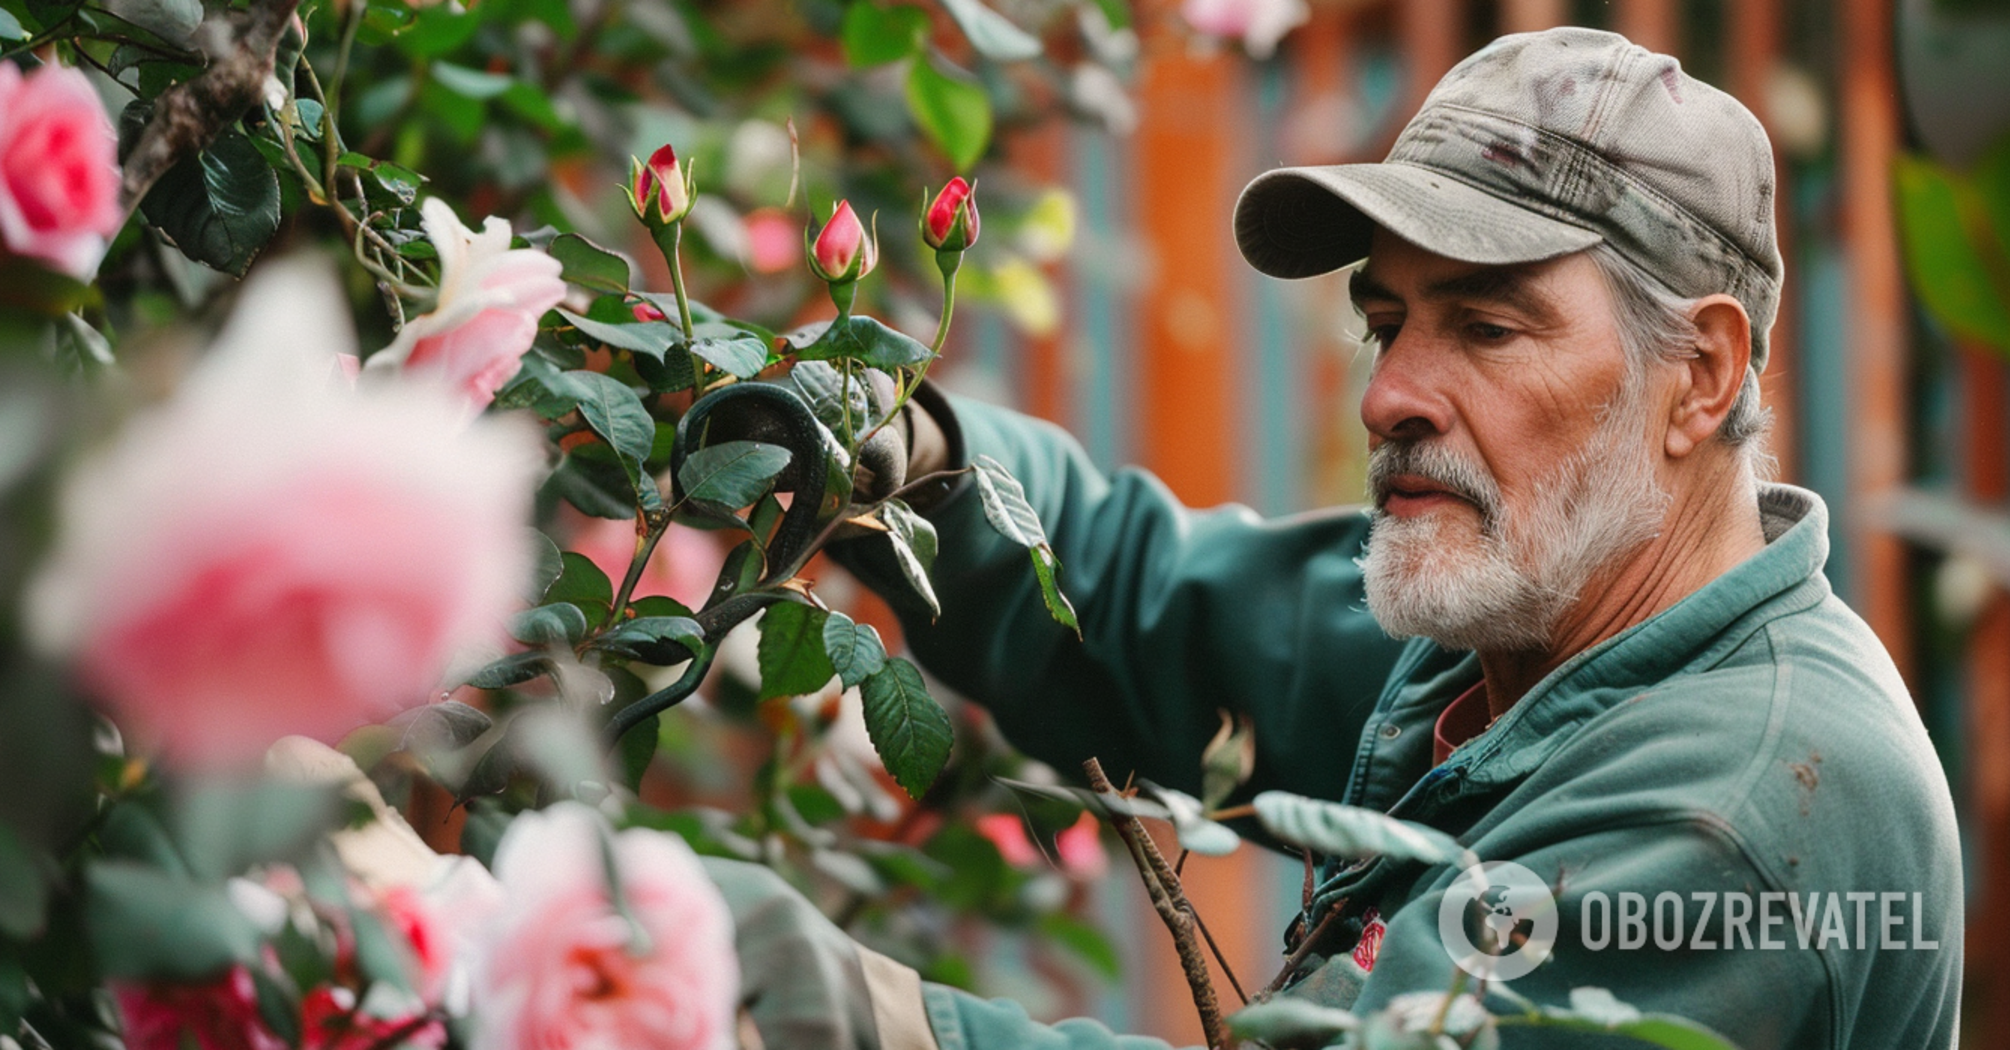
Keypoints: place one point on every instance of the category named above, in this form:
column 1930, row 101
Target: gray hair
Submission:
column 1654, row 325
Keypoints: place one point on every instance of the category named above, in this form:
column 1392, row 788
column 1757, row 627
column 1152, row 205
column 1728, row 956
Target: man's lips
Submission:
column 1409, row 494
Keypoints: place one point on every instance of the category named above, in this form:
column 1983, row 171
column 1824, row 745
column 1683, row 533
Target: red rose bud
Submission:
column 842, row 252
column 659, row 191
column 950, row 224
column 646, row 311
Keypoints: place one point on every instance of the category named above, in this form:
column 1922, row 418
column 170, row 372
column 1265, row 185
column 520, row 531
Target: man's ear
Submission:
column 1715, row 373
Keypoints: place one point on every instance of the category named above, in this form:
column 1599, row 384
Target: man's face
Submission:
column 1511, row 449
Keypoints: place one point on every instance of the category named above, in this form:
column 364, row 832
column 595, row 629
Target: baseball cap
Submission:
column 1540, row 145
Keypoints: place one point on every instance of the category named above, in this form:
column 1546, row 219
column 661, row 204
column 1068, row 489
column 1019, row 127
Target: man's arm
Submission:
column 1183, row 612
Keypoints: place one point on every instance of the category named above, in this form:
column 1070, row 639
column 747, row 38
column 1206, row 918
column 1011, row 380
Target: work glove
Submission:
column 801, row 978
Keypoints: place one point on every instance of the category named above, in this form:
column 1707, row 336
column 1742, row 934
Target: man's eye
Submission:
column 1491, row 333
column 1383, row 334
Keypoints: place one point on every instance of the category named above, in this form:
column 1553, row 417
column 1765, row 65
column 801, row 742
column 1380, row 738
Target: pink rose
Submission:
column 1007, row 832
column 491, row 297
column 1080, row 849
column 442, row 921
column 219, row 1015
column 59, row 172
column 561, row 968
column 774, row 241
column 267, row 553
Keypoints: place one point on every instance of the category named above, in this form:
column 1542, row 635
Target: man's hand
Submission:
column 801, row 978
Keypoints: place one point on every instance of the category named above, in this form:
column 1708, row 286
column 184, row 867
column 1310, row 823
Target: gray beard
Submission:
column 1505, row 589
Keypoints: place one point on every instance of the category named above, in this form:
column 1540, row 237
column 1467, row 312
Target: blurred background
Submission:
column 1888, row 381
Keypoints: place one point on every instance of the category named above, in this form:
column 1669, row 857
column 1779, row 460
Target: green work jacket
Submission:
column 1754, row 739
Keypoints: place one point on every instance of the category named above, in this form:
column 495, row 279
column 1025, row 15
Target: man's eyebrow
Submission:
column 1503, row 285
column 1506, row 286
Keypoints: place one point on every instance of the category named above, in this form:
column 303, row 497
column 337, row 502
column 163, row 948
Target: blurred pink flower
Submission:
column 491, row 297
column 267, row 553
column 560, row 967
column 773, row 245
column 219, row 1015
column 1259, row 24
column 1007, row 832
column 442, row 921
column 59, row 172
column 329, row 1020
column 1080, row 849
column 684, row 566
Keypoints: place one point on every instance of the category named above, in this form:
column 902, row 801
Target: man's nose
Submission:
column 1405, row 399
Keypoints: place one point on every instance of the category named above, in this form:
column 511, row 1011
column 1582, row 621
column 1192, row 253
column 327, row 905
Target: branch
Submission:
column 1171, row 904
column 188, row 117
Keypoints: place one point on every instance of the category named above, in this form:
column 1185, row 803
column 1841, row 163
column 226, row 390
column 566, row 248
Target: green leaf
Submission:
column 547, row 561
column 824, row 390
column 557, row 624
column 447, row 725
column 1354, row 832
column 1196, row 831
column 1047, row 569
column 585, row 263
column 219, row 207
column 1595, row 1010
column 653, row 338
column 595, row 479
column 855, row 650
column 908, row 728
column 660, row 640
column 171, row 20
column 865, row 339
column 913, row 540
column 1957, row 261
column 992, row 34
column 24, row 895
column 1136, row 806
column 1005, row 505
column 470, row 83
column 1228, row 760
column 732, row 473
column 953, row 111
column 10, row 27
column 792, row 657
column 582, row 583
column 514, row 669
column 741, row 354
column 437, row 30
column 145, row 923
column 873, row 35
column 638, row 749
column 614, row 411
column 1289, row 1021
column 1086, row 941
column 225, row 828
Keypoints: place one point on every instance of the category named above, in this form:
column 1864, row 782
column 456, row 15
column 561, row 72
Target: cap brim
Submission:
column 1301, row 222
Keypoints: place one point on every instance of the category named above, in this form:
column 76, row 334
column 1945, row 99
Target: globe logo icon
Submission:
column 1497, row 921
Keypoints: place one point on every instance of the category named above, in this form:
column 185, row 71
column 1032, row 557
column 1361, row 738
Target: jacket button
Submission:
column 1391, row 730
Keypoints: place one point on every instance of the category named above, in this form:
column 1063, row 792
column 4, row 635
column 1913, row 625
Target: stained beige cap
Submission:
column 1540, row 145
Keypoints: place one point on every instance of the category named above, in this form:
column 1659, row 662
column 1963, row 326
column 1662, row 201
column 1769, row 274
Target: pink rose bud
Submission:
column 560, row 966
column 491, row 297
column 59, row 173
column 324, row 574
column 658, row 190
column 842, row 252
column 646, row 311
column 950, row 224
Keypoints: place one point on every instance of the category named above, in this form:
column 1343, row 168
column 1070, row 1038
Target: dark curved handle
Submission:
column 775, row 415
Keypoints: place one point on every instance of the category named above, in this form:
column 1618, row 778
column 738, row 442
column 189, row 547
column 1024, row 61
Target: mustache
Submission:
column 1434, row 462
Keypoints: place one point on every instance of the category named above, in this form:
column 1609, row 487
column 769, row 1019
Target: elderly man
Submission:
column 1624, row 671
